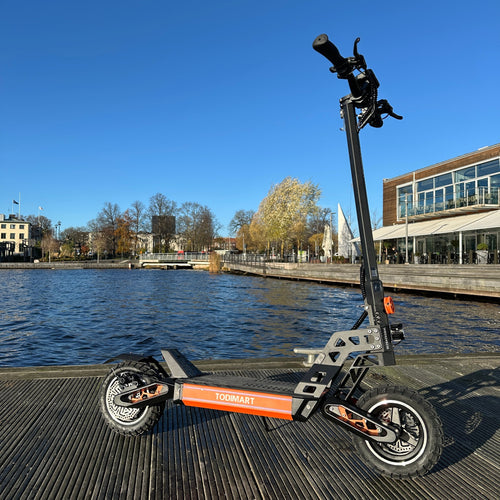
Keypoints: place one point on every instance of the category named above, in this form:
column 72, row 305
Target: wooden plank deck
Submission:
column 455, row 280
column 54, row 445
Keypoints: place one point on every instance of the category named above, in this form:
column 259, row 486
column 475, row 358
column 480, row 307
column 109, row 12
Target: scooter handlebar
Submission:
column 326, row 48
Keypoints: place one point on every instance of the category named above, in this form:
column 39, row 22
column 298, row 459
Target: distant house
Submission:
column 14, row 236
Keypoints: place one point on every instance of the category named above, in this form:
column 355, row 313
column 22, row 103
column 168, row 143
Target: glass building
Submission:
column 445, row 213
column 462, row 190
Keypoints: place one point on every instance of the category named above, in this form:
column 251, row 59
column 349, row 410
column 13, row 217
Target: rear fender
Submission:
column 141, row 359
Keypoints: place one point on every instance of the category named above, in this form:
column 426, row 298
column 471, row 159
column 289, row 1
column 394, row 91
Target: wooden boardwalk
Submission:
column 445, row 280
column 54, row 445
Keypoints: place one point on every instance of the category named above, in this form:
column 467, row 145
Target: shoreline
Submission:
column 74, row 264
column 480, row 282
column 256, row 363
column 468, row 282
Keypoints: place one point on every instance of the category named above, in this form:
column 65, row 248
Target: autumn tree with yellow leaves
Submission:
column 283, row 213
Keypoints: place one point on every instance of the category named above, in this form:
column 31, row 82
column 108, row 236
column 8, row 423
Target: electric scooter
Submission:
column 394, row 429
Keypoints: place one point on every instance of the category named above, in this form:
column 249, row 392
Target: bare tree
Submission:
column 50, row 245
column 107, row 220
column 197, row 225
column 40, row 225
column 97, row 239
column 240, row 225
column 138, row 221
column 241, row 218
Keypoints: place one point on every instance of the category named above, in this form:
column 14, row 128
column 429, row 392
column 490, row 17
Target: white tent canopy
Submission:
column 327, row 241
column 474, row 222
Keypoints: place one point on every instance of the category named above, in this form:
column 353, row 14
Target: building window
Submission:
column 3, row 236
column 13, row 226
column 4, row 226
column 495, row 188
column 476, row 185
column 465, row 174
column 12, row 236
column 425, row 185
column 21, row 236
column 443, row 180
column 21, row 226
column 405, row 198
column 488, row 168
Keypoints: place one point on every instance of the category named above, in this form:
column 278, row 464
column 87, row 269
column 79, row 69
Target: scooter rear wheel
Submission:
column 421, row 441
column 125, row 377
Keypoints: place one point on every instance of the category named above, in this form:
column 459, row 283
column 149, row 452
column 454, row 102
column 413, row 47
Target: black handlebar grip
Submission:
column 326, row 48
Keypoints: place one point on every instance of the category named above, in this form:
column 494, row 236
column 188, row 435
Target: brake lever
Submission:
column 359, row 60
column 384, row 108
column 394, row 115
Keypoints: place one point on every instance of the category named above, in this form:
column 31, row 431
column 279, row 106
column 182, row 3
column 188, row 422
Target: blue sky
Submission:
column 215, row 102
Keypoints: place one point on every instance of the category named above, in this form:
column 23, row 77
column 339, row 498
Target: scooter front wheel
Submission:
column 125, row 377
column 420, row 443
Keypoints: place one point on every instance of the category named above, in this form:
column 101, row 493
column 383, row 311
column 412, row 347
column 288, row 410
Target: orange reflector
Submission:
column 389, row 305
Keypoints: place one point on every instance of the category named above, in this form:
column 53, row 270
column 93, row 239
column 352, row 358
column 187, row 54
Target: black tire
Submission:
column 420, row 424
column 129, row 421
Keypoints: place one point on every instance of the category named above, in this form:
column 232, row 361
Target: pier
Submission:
column 54, row 444
column 454, row 280
column 180, row 260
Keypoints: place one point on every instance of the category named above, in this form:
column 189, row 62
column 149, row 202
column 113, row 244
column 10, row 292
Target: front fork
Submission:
column 150, row 394
column 355, row 420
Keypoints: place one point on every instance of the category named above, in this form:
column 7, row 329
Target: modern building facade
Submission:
column 445, row 212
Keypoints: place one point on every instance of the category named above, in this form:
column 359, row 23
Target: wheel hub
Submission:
column 120, row 413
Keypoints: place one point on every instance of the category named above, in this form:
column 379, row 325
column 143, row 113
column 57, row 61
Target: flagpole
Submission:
column 19, row 211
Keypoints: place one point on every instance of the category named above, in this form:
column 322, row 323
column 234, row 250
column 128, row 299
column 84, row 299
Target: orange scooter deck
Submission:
column 239, row 399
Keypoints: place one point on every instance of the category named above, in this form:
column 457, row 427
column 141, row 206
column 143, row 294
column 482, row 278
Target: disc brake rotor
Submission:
column 407, row 423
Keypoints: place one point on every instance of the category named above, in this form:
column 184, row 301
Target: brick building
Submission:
column 446, row 210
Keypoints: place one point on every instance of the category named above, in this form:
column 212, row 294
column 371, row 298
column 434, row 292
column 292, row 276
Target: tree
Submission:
column 138, row 221
column 284, row 211
column 316, row 241
column 50, row 245
column 107, row 220
column 197, row 226
column 240, row 225
column 241, row 218
column 74, row 238
column 258, row 239
column 97, row 239
column 376, row 219
column 123, row 234
column 40, row 225
column 318, row 220
column 316, row 228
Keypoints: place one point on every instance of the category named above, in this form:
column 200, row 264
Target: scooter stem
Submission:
column 374, row 300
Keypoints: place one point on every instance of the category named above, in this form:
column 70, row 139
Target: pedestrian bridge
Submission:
column 177, row 260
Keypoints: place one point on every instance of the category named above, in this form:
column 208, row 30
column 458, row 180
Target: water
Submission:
column 64, row 317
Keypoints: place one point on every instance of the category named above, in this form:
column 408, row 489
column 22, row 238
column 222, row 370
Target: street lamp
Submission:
column 406, row 228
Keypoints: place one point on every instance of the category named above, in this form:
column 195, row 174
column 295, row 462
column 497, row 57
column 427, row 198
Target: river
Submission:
column 68, row 317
